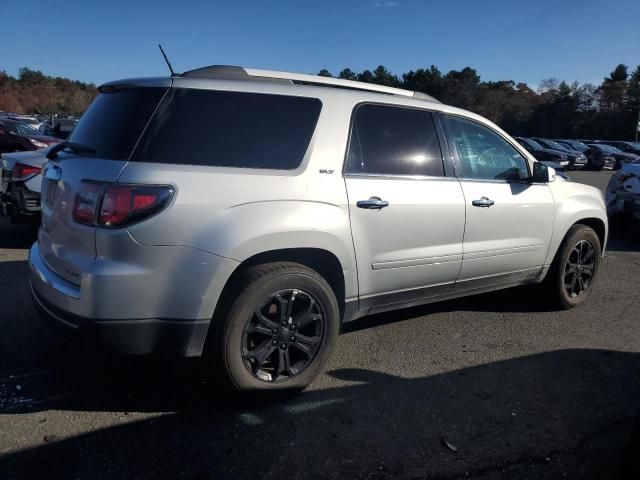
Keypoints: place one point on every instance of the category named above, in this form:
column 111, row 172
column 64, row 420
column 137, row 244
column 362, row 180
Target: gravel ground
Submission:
column 487, row 387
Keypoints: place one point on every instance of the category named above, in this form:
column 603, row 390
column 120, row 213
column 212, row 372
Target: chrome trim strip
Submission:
column 402, row 177
column 501, row 252
column 416, row 262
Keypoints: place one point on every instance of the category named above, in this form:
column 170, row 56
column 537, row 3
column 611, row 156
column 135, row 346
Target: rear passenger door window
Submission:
column 390, row 140
column 482, row 153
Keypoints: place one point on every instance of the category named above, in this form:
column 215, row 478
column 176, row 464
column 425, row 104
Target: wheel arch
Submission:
column 320, row 260
column 598, row 225
column 577, row 205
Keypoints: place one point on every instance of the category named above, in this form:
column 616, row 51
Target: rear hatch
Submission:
column 107, row 134
column 67, row 247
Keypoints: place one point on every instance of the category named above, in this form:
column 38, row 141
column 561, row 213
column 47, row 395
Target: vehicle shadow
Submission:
column 567, row 412
column 623, row 236
column 17, row 236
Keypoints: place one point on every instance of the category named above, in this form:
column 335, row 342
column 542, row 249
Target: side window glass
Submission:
column 483, row 153
column 391, row 140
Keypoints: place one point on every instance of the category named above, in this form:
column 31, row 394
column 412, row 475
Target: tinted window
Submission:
column 394, row 141
column 9, row 127
column 483, row 153
column 230, row 129
column 113, row 123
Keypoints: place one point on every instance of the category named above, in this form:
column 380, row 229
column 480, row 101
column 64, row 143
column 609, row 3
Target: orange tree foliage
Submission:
column 34, row 92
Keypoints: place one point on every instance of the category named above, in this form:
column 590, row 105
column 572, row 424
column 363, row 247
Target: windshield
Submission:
column 532, row 143
column 578, row 146
column 555, row 145
column 610, row 149
column 114, row 122
column 24, row 129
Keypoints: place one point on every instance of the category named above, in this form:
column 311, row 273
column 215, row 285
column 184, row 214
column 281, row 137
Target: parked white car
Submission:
column 247, row 214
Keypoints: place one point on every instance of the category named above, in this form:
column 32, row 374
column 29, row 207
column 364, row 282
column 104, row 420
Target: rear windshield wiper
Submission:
column 74, row 147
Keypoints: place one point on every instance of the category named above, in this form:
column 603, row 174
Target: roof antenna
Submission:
column 173, row 74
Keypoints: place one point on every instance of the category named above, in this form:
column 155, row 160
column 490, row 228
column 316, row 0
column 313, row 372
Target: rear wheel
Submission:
column 575, row 267
column 278, row 332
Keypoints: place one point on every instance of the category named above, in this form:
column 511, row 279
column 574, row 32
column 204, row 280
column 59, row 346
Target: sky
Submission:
column 524, row 41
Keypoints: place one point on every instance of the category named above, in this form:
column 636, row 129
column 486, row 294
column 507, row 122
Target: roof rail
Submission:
column 240, row 73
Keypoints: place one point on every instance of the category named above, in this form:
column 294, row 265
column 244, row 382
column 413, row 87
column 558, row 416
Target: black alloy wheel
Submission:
column 282, row 336
column 579, row 269
column 275, row 328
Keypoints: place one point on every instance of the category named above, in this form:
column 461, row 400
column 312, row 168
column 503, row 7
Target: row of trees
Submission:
column 554, row 109
column 35, row 92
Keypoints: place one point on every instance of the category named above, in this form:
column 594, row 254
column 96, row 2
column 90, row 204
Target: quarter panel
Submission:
column 237, row 213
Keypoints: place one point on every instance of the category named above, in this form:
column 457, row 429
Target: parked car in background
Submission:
column 31, row 120
column 543, row 154
column 303, row 203
column 627, row 147
column 20, row 182
column 577, row 159
column 59, row 127
column 574, row 144
column 622, row 196
column 620, row 158
column 17, row 137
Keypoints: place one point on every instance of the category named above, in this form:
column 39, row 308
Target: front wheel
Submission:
column 575, row 267
column 279, row 330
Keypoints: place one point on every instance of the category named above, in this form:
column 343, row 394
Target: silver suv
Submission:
column 243, row 215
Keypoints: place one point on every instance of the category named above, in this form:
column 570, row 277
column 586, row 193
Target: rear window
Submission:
column 114, row 122
column 229, row 129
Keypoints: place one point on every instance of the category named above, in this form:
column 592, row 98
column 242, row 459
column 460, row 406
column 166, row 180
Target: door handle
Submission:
column 484, row 202
column 374, row 203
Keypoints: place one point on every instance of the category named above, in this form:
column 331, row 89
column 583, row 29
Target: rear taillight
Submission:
column 84, row 206
column 113, row 205
column 125, row 204
column 20, row 171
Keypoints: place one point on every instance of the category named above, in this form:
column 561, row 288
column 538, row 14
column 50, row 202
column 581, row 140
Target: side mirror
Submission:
column 542, row 173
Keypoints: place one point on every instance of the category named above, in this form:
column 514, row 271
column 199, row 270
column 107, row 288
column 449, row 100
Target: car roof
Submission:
column 221, row 77
column 212, row 75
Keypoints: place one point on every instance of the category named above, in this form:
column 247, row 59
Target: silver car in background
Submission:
column 245, row 214
column 623, row 192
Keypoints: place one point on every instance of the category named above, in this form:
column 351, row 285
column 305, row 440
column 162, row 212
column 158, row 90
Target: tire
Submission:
column 559, row 296
column 239, row 327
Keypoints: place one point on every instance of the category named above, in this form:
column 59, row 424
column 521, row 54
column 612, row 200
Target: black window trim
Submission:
column 447, row 169
column 146, row 125
column 456, row 159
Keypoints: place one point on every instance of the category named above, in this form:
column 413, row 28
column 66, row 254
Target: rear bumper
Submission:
column 130, row 313
column 184, row 338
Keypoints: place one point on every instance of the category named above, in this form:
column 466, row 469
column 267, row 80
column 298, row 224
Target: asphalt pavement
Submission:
column 487, row 387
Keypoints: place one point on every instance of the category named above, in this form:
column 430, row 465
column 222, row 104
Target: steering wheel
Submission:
column 488, row 158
